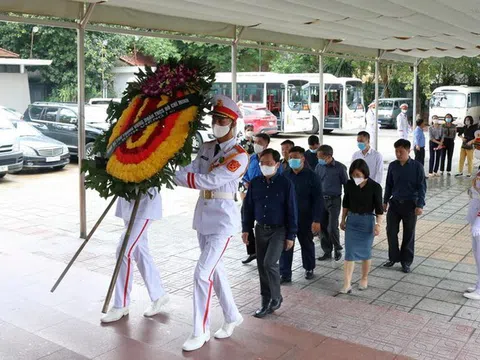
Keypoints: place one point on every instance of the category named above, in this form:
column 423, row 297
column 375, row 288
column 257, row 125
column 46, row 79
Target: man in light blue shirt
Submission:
column 419, row 141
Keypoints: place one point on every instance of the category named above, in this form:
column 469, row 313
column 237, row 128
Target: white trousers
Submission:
column 371, row 131
column 137, row 248
column 210, row 272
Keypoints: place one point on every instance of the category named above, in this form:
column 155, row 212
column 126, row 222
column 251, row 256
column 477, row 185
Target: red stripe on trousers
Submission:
column 211, row 284
column 128, row 264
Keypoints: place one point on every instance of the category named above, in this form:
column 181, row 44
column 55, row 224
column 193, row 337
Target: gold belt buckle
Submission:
column 208, row 194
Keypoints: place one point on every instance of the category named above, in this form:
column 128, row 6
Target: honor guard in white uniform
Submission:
column 371, row 126
column 149, row 209
column 216, row 172
column 402, row 122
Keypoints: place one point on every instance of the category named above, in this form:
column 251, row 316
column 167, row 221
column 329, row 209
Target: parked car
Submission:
column 11, row 157
column 103, row 101
column 389, row 108
column 40, row 151
column 59, row 121
column 10, row 114
column 262, row 119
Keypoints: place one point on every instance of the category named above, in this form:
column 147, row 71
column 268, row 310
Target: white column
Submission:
column 234, row 66
column 377, row 69
column 81, row 126
column 415, row 90
column 321, row 99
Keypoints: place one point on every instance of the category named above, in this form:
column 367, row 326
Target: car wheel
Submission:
column 89, row 151
column 197, row 142
column 2, row 175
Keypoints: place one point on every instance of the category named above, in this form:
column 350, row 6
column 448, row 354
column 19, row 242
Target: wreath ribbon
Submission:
column 159, row 114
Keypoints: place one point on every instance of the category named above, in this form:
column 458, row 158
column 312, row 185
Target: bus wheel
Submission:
column 315, row 126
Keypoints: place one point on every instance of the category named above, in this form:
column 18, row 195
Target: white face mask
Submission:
column 358, row 180
column 249, row 133
column 220, row 131
column 404, row 111
column 257, row 148
column 268, row 170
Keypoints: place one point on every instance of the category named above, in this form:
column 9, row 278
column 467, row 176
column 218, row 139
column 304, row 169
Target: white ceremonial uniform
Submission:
column 374, row 160
column 137, row 248
column 402, row 126
column 216, row 219
column 371, row 126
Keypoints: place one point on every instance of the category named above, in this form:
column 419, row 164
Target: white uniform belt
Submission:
column 210, row 194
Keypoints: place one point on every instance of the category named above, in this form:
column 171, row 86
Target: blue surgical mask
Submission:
column 313, row 150
column 295, row 163
column 362, row 146
column 448, row 119
column 322, row 162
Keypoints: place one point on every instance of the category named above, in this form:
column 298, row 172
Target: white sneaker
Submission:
column 472, row 296
column 227, row 328
column 471, row 289
column 156, row 306
column 114, row 314
column 196, row 342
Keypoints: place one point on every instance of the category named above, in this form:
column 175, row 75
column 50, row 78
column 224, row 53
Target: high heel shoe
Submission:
column 346, row 291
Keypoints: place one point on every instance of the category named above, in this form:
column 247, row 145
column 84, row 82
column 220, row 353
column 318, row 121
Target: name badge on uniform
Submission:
column 204, row 157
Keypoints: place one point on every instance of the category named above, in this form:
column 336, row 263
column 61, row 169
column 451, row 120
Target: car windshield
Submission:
column 448, row 100
column 25, row 129
column 385, row 105
column 5, row 123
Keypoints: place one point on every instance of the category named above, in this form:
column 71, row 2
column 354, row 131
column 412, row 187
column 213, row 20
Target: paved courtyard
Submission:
column 420, row 315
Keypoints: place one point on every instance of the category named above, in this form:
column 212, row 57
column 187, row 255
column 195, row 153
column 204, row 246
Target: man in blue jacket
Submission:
column 311, row 213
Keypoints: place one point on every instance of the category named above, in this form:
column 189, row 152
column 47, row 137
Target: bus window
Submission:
column 448, row 100
column 298, row 94
column 354, row 94
column 314, row 93
column 250, row 92
column 274, row 97
column 222, row 89
column 474, row 100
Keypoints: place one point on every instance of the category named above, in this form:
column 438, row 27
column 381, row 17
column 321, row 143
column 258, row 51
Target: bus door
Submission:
column 333, row 106
column 275, row 102
column 298, row 114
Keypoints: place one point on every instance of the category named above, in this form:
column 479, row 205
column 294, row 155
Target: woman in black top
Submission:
column 467, row 134
column 449, row 135
column 362, row 203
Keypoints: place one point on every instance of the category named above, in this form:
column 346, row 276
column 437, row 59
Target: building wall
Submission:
column 14, row 91
column 120, row 81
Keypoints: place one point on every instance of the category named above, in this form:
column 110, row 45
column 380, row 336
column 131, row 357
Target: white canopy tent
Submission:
column 376, row 30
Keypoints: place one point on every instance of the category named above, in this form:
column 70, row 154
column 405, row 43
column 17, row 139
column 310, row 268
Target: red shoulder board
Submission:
column 240, row 149
column 233, row 165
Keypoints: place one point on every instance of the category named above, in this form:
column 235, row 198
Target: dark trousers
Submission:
column 435, row 155
column 330, row 238
column 403, row 211
column 447, row 152
column 251, row 243
column 305, row 238
column 420, row 155
column 270, row 244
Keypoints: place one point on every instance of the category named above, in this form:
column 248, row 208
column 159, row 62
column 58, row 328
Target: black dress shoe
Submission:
column 389, row 264
column 249, row 259
column 264, row 310
column 308, row 274
column 406, row 269
column 338, row 255
column 325, row 257
column 285, row 280
column 276, row 303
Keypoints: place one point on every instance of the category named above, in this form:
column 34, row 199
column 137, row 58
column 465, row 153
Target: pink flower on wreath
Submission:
column 166, row 80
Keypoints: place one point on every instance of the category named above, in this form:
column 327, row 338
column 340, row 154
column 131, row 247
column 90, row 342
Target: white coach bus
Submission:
column 459, row 101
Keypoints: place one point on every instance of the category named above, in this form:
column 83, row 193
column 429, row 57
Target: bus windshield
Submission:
column 354, row 94
column 448, row 100
column 298, row 94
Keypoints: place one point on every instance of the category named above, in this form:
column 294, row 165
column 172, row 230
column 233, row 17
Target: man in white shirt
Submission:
column 402, row 122
column 372, row 157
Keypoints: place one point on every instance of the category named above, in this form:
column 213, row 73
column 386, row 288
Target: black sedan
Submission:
column 40, row 151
